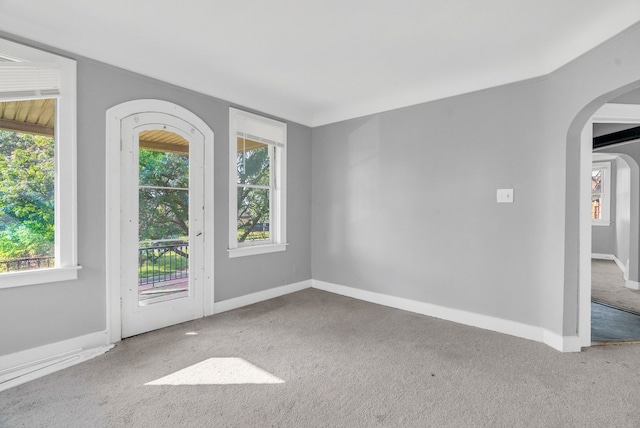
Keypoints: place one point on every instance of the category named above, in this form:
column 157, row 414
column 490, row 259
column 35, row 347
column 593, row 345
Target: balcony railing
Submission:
column 27, row 263
column 160, row 265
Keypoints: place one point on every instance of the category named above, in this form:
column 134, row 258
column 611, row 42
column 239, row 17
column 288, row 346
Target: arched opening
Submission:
column 578, row 233
column 142, row 126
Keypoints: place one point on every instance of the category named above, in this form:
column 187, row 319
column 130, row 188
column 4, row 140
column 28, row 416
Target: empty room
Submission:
column 318, row 213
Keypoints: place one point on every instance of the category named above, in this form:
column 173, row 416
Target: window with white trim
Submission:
column 257, row 184
column 37, row 166
column 600, row 193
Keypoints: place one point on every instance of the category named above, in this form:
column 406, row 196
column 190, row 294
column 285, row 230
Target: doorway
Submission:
column 159, row 221
column 615, row 302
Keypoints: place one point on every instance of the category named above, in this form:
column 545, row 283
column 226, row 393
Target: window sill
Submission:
column 39, row 276
column 256, row 249
column 603, row 223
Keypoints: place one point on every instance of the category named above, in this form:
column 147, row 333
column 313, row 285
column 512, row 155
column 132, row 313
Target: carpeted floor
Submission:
column 607, row 286
column 344, row 363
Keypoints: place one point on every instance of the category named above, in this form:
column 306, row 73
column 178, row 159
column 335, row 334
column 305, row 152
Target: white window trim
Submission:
column 66, row 257
column 605, row 210
column 274, row 131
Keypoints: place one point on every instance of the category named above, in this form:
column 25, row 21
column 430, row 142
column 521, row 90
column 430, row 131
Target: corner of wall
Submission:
column 512, row 328
column 561, row 343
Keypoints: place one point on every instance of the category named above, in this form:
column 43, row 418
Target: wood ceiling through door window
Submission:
column 164, row 141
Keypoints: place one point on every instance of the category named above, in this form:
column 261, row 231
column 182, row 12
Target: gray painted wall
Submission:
column 404, row 202
column 631, row 97
column 623, row 209
column 37, row 315
column 603, row 238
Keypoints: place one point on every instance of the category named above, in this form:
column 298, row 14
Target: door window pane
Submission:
column 163, row 217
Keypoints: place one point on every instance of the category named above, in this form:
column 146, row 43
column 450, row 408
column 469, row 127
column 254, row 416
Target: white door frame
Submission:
column 113, row 216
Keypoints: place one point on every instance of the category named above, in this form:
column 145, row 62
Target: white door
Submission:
column 162, row 222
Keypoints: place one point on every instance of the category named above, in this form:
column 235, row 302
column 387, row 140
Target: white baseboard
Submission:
column 561, row 343
column 634, row 285
column 513, row 328
column 602, row 256
column 260, row 296
column 20, row 367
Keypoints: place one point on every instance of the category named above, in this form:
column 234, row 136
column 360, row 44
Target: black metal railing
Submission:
column 26, row 263
column 159, row 264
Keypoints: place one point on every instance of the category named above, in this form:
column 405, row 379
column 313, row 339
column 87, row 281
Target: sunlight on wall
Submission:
column 219, row 371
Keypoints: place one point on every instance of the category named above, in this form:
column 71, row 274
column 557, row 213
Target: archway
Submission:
column 577, row 292
column 115, row 117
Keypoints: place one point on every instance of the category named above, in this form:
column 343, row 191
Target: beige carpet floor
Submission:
column 607, row 286
column 342, row 363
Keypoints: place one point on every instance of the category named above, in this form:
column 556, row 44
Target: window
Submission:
column 600, row 193
column 257, row 184
column 37, row 166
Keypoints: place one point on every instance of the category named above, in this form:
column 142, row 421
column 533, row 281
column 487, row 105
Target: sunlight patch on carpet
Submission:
column 219, row 371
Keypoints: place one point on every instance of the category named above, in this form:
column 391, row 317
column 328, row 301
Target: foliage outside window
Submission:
column 27, row 201
column 600, row 195
column 257, row 184
column 37, row 166
column 163, row 204
column 254, row 190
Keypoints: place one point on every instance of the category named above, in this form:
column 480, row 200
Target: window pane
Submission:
column 27, row 179
column 596, row 181
column 163, row 199
column 253, row 163
column 163, row 272
column 164, row 214
column 253, row 214
column 164, row 169
column 596, row 206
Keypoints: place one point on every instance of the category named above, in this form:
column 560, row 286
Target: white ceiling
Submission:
column 317, row 62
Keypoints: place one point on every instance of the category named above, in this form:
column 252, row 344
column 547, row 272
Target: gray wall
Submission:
column 404, row 202
column 631, row 97
column 37, row 315
column 603, row 238
column 623, row 209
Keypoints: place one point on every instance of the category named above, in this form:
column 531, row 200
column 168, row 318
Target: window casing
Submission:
column 29, row 74
column 257, row 184
column 601, row 193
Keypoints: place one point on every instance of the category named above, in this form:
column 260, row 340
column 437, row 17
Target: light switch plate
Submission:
column 505, row 196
